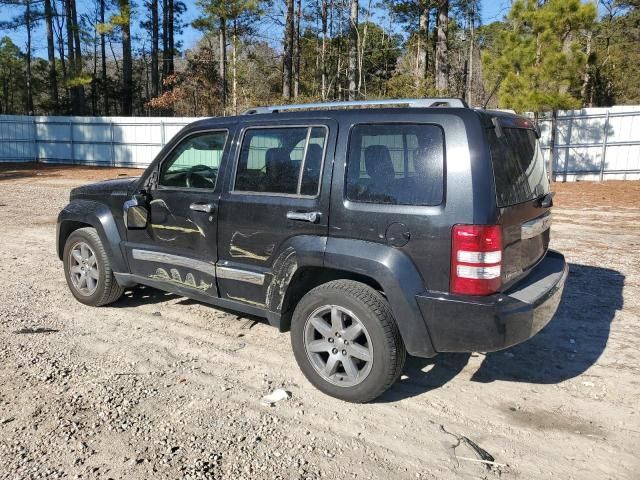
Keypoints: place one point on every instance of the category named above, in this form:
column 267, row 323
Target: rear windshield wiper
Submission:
column 546, row 201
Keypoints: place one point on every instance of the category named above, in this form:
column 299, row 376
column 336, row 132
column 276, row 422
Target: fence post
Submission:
column 113, row 146
column 36, row 155
column 552, row 144
column 604, row 146
column 162, row 133
column 73, row 149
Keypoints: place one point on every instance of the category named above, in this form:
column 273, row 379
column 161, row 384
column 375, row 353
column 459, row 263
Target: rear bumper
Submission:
column 485, row 324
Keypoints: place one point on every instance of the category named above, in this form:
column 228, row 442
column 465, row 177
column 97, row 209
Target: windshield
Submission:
column 518, row 165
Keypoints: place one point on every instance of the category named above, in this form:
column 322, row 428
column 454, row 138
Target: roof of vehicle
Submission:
column 338, row 110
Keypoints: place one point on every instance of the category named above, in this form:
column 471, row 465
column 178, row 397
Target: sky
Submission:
column 491, row 10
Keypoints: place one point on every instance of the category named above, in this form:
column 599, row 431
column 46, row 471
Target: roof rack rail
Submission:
column 410, row 102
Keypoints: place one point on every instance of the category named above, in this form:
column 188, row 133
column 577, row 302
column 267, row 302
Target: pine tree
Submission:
column 539, row 63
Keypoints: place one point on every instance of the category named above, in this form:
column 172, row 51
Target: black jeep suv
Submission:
column 367, row 232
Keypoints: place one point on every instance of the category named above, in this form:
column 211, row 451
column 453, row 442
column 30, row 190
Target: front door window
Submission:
column 195, row 162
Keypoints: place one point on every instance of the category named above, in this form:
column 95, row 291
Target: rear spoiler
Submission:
column 514, row 121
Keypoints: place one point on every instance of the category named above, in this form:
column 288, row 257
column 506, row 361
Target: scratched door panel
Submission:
column 280, row 168
column 179, row 245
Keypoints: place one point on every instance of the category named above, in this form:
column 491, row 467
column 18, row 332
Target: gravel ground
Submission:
column 158, row 386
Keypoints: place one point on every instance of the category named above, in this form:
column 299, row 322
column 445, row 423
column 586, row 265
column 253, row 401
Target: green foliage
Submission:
column 547, row 54
column 12, row 77
column 615, row 58
column 538, row 60
column 214, row 10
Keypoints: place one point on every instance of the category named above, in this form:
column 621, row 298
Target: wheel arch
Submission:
column 65, row 229
column 306, row 278
column 86, row 213
column 383, row 268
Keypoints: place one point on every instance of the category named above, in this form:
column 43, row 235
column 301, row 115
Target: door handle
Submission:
column 202, row 207
column 311, row 217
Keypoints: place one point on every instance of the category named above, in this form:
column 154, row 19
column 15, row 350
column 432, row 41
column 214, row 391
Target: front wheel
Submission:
column 87, row 269
column 346, row 341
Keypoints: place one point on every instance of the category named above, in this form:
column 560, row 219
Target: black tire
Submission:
column 373, row 312
column 107, row 289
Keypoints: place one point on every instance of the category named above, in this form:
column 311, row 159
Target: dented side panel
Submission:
column 258, row 232
column 299, row 252
column 178, row 240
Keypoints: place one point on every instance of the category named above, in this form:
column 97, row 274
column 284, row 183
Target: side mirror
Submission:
column 136, row 216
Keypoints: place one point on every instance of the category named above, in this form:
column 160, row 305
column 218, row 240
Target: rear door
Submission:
column 274, row 193
column 522, row 188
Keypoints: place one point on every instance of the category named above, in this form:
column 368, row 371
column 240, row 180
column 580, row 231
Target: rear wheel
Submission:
column 346, row 341
column 88, row 270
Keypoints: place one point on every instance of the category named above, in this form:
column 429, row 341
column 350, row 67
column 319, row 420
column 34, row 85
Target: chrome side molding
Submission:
column 240, row 275
column 159, row 257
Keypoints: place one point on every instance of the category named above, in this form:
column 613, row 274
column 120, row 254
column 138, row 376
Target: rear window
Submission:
column 518, row 165
column 397, row 164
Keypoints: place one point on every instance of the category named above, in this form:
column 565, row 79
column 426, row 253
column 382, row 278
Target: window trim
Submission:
column 348, row 200
column 309, row 127
column 159, row 186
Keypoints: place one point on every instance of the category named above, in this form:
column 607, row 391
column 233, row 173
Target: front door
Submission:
column 278, row 190
column 178, row 248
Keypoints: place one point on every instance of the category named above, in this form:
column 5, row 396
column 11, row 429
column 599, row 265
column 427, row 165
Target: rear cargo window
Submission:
column 397, row 164
column 518, row 165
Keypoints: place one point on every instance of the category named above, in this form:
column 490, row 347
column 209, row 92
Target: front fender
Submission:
column 398, row 277
column 98, row 215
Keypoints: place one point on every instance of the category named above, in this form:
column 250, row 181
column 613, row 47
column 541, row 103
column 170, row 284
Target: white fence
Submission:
column 104, row 141
column 589, row 144
column 593, row 143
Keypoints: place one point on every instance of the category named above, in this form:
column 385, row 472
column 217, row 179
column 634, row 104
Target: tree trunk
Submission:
column 223, row 61
column 127, row 66
column 171, row 43
column 94, row 78
column 57, row 19
column 362, row 85
column 423, row 47
column 323, row 52
column 77, row 55
column 472, row 22
column 234, row 71
column 165, row 41
column 27, row 21
column 353, row 48
column 338, row 87
column 586, row 79
column 296, row 52
column 442, row 62
column 73, row 91
column 155, row 79
column 51, row 56
column 103, row 55
column 287, row 72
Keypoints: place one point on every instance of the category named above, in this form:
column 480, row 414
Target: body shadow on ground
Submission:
column 568, row 346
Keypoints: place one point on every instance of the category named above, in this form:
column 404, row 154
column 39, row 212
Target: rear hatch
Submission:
column 522, row 195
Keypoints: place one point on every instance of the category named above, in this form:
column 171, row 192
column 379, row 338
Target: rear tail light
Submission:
column 476, row 259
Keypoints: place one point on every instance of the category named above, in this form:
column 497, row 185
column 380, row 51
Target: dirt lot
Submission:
column 158, row 386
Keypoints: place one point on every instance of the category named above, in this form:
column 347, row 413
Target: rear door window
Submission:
column 397, row 164
column 518, row 165
column 281, row 160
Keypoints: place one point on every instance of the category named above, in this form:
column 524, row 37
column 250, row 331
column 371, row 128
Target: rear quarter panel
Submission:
column 467, row 198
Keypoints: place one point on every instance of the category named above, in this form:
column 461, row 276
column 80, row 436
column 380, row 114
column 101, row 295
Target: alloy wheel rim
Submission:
column 83, row 268
column 338, row 346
